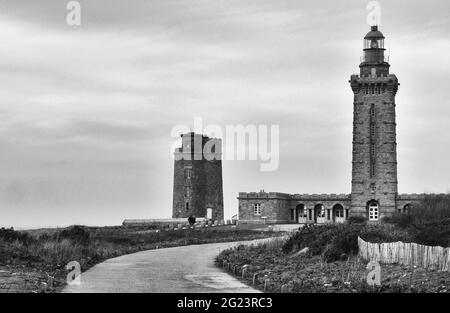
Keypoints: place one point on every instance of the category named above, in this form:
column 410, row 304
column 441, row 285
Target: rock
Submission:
column 303, row 251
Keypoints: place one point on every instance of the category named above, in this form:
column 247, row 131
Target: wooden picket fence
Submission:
column 412, row 254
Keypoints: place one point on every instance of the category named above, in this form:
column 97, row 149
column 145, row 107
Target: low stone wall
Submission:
column 262, row 222
column 176, row 223
column 158, row 222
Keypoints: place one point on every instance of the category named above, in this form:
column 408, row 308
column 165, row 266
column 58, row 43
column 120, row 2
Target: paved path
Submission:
column 187, row 269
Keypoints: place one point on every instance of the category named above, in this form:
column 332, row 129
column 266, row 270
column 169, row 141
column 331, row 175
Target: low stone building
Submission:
column 280, row 208
column 374, row 192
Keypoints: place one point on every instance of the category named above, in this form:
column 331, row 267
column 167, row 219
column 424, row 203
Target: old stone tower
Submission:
column 197, row 188
column 374, row 167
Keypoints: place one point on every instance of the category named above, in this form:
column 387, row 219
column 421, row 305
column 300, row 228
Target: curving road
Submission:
column 187, row 269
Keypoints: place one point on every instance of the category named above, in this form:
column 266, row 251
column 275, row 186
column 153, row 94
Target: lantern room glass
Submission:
column 374, row 43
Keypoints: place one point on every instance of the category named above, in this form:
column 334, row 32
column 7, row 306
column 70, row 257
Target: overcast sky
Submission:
column 86, row 112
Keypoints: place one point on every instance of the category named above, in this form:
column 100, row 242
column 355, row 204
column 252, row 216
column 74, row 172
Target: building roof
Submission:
column 374, row 33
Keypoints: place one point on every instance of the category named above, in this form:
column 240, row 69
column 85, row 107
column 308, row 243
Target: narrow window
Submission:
column 188, row 173
column 187, row 206
column 372, row 140
column 188, row 191
column 257, row 209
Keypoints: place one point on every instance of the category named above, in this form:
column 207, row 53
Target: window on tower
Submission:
column 372, row 139
column 372, row 160
column 257, row 209
column 373, row 211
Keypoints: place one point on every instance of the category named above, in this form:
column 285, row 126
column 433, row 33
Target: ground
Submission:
column 188, row 269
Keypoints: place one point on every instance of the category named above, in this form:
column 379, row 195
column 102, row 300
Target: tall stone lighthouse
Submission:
column 374, row 172
column 374, row 167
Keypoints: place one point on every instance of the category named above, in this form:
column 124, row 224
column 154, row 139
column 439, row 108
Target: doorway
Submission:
column 209, row 213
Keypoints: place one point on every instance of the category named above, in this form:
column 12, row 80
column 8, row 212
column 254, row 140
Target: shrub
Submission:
column 59, row 252
column 432, row 233
column 431, row 208
column 77, row 234
column 400, row 219
column 344, row 243
column 428, row 222
column 357, row 220
column 384, row 233
column 10, row 235
column 332, row 242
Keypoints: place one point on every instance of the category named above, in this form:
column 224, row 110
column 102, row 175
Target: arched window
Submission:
column 319, row 210
column 407, row 208
column 301, row 210
column 373, row 209
column 338, row 211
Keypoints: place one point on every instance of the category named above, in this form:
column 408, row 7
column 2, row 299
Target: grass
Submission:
column 43, row 254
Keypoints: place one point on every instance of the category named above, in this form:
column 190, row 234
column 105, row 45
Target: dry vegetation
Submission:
column 34, row 261
column 310, row 273
column 331, row 263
